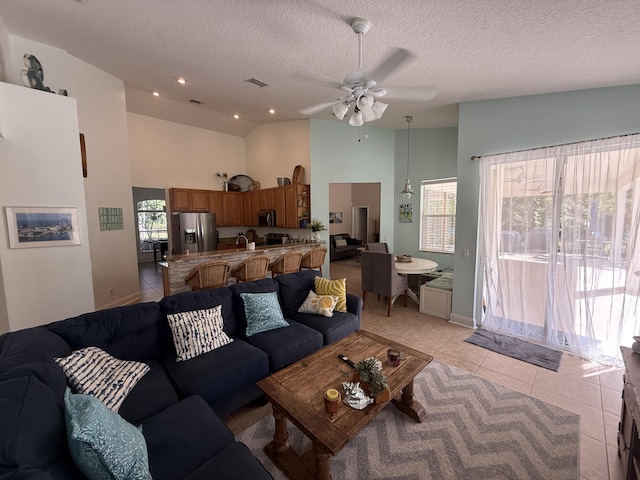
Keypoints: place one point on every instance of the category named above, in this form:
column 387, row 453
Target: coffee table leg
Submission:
column 281, row 435
column 323, row 471
column 408, row 405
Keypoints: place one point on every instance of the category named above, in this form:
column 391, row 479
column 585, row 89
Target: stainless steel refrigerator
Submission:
column 193, row 231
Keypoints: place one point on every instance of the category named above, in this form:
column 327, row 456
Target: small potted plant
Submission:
column 316, row 227
column 372, row 380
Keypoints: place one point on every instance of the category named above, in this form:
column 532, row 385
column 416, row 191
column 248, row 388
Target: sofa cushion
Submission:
column 134, row 332
column 219, row 372
column 183, row 437
column 332, row 329
column 102, row 443
column 341, row 242
column 287, row 345
column 31, row 345
column 48, row 373
column 294, row 288
column 262, row 312
column 258, row 286
column 224, row 466
column 32, row 431
column 93, row 371
column 319, row 304
column 197, row 332
column 336, row 287
column 203, row 299
column 153, row 393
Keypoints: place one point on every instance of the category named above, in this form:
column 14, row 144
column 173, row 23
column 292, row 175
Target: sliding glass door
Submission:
column 559, row 234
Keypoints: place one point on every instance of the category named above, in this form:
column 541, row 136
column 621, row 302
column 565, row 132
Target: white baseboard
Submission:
column 461, row 320
column 128, row 300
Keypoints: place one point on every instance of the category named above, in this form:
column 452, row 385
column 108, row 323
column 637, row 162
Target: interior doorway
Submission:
column 360, row 223
column 344, row 199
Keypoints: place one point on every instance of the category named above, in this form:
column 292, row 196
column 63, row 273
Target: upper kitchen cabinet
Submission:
column 188, row 200
column 232, row 208
column 215, row 206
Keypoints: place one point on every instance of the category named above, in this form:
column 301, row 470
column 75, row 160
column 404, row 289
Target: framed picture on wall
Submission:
column 30, row 227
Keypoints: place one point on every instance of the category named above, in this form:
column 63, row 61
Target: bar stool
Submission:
column 286, row 263
column 313, row 259
column 208, row 275
column 253, row 268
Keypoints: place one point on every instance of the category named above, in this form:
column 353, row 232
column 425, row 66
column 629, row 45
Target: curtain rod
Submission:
column 476, row 157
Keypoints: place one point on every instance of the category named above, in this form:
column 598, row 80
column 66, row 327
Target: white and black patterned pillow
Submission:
column 197, row 332
column 92, row 371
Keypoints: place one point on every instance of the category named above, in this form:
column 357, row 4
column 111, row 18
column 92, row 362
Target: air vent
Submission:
column 197, row 102
column 257, row 83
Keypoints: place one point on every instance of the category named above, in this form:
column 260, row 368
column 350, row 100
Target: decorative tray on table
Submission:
column 404, row 258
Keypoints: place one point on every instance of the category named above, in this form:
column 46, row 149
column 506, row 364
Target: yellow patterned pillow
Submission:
column 319, row 304
column 333, row 287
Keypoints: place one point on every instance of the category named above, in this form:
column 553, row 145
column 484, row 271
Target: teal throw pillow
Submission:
column 263, row 312
column 103, row 444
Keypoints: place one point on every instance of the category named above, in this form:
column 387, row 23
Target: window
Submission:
column 152, row 223
column 438, row 215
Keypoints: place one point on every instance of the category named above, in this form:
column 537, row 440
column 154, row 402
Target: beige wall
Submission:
column 40, row 167
column 166, row 154
column 274, row 150
column 102, row 118
column 368, row 195
column 340, row 201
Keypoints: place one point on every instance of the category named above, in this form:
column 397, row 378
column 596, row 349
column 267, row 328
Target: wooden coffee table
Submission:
column 297, row 393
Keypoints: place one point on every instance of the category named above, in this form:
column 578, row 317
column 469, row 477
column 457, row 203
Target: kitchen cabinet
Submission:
column 247, row 211
column 255, row 207
column 188, row 200
column 291, row 204
column 215, row 206
column 303, row 201
column 628, row 438
column 280, row 206
column 232, row 209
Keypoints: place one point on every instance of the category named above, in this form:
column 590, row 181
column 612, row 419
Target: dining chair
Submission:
column 208, row 275
column 378, row 247
column 313, row 259
column 379, row 275
column 286, row 263
column 253, row 268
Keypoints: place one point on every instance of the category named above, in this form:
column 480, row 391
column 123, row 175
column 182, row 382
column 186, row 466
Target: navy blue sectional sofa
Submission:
column 177, row 404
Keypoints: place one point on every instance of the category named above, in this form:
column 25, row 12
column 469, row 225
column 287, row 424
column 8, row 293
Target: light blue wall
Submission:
column 496, row 126
column 338, row 157
column 433, row 155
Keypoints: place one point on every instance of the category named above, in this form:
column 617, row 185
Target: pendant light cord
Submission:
column 409, row 120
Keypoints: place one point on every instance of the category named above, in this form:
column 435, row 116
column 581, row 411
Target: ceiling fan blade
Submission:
column 318, row 78
column 415, row 94
column 318, row 108
column 397, row 58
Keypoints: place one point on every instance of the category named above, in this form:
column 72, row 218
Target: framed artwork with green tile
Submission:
column 110, row 218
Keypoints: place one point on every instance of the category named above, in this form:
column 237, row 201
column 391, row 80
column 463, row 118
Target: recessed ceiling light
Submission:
column 181, row 80
column 236, row 116
column 156, row 94
column 272, row 111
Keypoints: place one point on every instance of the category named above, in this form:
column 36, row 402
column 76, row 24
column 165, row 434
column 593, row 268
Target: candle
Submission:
column 332, row 401
column 332, row 394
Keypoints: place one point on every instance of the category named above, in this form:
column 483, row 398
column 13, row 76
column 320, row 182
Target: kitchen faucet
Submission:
column 246, row 241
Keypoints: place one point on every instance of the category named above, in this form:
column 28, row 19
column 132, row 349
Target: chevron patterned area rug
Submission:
column 474, row 429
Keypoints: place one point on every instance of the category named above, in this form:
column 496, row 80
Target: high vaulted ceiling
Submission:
column 466, row 49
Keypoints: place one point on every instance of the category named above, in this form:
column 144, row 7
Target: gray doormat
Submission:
column 516, row 348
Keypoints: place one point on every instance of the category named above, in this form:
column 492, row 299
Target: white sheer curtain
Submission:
column 559, row 239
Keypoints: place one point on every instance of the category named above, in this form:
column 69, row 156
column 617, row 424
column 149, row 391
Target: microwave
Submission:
column 267, row 218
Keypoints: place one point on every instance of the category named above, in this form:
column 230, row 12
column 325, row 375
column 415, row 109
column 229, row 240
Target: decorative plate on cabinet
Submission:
column 242, row 181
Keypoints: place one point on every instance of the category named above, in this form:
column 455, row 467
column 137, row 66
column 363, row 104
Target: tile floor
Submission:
column 591, row 390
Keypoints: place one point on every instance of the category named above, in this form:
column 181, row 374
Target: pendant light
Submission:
column 407, row 191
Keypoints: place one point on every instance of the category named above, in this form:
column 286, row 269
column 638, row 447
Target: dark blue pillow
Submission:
column 30, row 345
column 32, row 430
column 294, row 288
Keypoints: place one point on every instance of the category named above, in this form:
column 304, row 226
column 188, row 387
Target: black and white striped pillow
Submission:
column 197, row 332
column 92, row 371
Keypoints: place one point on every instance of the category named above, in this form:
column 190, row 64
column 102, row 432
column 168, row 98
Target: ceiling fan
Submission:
column 362, row 88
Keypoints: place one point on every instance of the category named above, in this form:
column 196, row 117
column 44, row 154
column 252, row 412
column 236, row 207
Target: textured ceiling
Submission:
column 466, row 49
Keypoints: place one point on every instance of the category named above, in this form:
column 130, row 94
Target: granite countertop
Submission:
column 229, row 251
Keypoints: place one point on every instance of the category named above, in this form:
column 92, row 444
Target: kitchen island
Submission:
column 176, row 267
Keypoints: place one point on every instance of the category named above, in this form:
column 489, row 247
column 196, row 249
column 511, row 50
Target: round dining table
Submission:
column 417, row 266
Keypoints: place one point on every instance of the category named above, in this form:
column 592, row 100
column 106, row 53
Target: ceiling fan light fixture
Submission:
column 365, row 102
column 340, row 110
column 356, row 119
column 369, row 116
column 378, row 108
